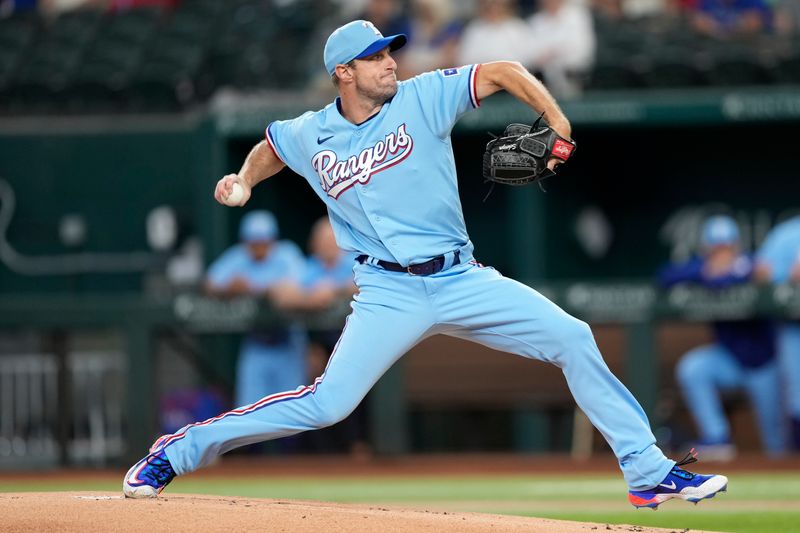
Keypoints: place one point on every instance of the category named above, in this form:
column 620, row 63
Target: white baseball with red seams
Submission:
column 236, row 196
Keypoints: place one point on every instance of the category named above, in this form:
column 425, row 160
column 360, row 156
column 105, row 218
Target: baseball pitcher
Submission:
column 381, row 159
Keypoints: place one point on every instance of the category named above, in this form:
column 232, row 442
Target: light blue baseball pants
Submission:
column 395, row 311
column 706, row 371
column 789, row 362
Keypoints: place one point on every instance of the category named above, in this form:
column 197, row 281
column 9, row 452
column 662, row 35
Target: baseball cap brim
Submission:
column 394, row 42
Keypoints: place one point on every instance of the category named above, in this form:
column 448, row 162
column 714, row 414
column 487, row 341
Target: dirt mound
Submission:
column 85, row 511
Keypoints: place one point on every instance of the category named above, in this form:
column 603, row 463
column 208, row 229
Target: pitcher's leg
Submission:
column 506, row 315
column 365, row 351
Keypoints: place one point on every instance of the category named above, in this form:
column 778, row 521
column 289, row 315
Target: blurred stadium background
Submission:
column 117, row 118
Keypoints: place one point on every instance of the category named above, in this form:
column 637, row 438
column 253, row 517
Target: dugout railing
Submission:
column 637, row 307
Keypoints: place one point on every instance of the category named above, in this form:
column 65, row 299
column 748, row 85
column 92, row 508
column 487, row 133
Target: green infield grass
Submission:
column 754, row 503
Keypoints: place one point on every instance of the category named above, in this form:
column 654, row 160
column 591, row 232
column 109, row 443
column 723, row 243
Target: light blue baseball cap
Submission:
column 719, row 230
column 355, row 40
column 258, row 226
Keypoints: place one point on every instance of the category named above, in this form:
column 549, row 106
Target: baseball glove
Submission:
column 520, row 156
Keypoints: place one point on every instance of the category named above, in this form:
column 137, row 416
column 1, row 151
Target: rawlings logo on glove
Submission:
column 520, row 156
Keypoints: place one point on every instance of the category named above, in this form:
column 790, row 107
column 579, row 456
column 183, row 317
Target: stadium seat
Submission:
column 76, row 28
column 85, row 96
column 136, row 26
column 671, row 68
column 9, row 60
column 787, row 69
column 33, row 96
column 614, row 75
column 166, row 78
column 154, row 96
column 16, row 33
column 737, row 70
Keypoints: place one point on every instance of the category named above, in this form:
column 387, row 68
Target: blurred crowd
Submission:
column 558, row 40
column 758, row 356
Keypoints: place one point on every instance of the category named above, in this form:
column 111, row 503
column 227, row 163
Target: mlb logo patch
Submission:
column 450, row 72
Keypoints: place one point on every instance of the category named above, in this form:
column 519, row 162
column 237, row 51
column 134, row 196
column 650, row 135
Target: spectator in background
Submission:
column 741, row 356
column 270, row 360
column 387, row 15
column 607, row 10
column 433, row 38
column 730, row 18
column 616, row 10
column 54, row 8
column 561, row 45
column 787, row 17
column 10, row 7
column 778, row 261
column 124, row 5
column 497, row 33
column 348, row 9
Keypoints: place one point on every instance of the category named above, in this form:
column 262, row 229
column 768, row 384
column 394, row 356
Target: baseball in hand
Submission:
column 236, row 195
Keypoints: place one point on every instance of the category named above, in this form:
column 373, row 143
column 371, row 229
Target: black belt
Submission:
column 420, row 269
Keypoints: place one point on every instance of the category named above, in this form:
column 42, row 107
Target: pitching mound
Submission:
column 85, row 511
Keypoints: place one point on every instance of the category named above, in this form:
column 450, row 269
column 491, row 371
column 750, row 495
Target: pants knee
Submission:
column 331, row 413
column 577, row 334
column 574, row 336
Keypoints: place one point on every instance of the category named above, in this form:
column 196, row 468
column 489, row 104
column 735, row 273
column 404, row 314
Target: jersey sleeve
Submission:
column 445, row 95
column 283, row 137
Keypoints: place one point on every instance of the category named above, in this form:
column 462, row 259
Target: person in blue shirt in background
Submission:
column 271, row 360
column 741, row 356
column 327, row 276
column 778, row 261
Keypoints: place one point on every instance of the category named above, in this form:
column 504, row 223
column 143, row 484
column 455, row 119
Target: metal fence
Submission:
column 53, row 413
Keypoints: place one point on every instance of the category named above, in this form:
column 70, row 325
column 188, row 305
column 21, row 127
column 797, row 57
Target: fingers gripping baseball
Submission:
column 232, row 191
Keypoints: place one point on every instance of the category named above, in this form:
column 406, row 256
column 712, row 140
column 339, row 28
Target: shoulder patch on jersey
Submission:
column 450, row 72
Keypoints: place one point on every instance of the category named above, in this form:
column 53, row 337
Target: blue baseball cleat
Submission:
column 148, row 477
column 680, row 484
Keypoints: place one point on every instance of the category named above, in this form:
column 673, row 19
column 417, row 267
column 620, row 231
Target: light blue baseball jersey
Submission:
column 781, row 249
column 339, row 275
column 390, row 188
column 284, row 263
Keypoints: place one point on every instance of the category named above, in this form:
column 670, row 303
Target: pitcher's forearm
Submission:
column 260, row 164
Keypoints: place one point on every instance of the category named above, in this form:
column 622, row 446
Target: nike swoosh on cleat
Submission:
column 320, row 140
column 671, row 486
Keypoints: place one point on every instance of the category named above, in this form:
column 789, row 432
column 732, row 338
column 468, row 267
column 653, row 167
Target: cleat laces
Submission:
column 160, row 470
column 689, row 458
